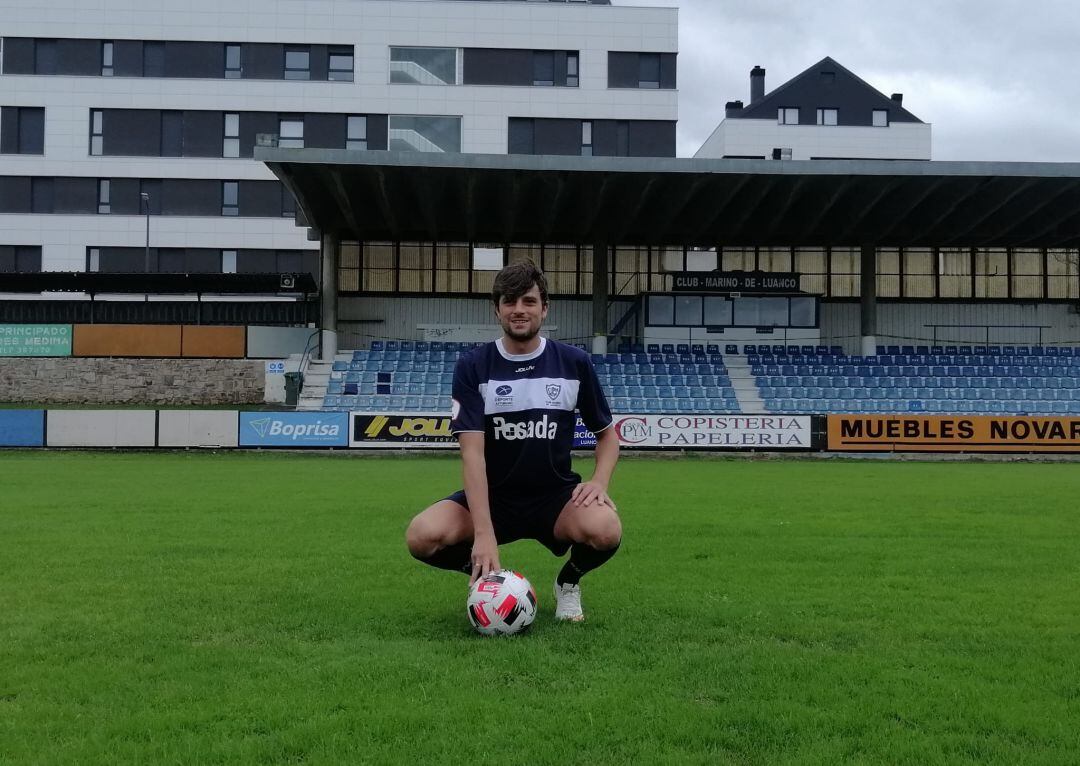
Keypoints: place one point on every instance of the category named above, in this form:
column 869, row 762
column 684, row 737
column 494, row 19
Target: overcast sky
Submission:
column 997, row 79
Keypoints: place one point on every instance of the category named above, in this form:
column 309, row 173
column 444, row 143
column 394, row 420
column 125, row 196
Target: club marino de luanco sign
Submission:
column 735, row 282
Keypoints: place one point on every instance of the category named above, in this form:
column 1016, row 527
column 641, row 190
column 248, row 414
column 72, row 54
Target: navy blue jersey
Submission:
column 524, row 405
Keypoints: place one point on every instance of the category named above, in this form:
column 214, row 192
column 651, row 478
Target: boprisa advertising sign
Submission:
column 294, row 429
column 952, row 433
column 767, row 432
column 397, row 429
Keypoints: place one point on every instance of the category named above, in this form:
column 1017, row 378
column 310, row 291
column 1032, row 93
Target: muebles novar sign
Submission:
column 952, row 433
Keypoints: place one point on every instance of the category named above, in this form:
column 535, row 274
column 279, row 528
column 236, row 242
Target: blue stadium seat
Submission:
column 652, row 348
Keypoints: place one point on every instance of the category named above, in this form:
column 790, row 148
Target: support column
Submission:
column 600, row 297
column 868, row 295
column 328, row 288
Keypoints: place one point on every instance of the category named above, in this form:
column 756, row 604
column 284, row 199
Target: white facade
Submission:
column 371, row 26
column 741, row 137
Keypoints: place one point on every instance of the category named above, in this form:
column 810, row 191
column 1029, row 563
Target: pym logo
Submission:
column 504, row 390
column 633, row 430
column 261, row 426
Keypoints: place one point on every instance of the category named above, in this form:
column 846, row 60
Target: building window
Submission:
column 104, row 195
column 356, row 132
column 26, row 130
column 153, row 59
column 291, row 133
column 649, row 70
column 544, row 68
column 586, row 138
column 341, row 64
column 826, row 117
column 297, row 63
column 45, row 57
column 881, row 118
column 424, row 66
column 230, row 198
column 233, row 70
column 572, row 69
column 787, row 115
column 93, row 259
column 97, row 140
column 781, row 153
column 230, row 142
column 106, row 59
column 423, row 133
column 228, row 261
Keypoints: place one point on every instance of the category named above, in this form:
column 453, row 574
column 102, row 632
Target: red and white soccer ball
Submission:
column 502, row 603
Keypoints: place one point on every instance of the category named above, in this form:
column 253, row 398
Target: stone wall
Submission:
column 132, row 381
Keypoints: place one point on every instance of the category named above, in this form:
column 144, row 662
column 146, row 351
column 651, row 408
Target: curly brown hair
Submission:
column 517, row 279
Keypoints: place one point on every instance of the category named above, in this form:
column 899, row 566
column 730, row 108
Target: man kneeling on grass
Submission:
column 513, row 414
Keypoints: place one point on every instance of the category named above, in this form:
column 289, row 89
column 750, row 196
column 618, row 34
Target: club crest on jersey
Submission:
column 553, row 391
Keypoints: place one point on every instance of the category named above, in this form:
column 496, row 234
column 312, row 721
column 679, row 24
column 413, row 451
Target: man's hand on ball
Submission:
column 485, row 557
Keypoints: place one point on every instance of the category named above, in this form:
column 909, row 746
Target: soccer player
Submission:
column 513, row 415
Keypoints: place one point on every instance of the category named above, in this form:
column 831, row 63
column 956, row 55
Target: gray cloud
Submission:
column 997, row 78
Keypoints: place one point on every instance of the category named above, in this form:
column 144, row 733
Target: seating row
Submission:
column 919, row 381
column 937, row 407
column 916, row 370
column 769, row 393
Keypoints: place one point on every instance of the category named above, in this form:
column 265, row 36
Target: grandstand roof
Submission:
column 407, row 196
column 97, row 282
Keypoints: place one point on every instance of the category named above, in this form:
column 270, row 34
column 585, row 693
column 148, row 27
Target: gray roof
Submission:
column 410, row 196
column 853, row 97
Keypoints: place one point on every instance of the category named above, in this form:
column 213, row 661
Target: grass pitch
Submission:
column 261, row 608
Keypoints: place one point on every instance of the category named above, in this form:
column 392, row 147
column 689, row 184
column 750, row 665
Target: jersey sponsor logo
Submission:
column 504, row 390
column 543, row 428
column 504, row 396
column 530, row 368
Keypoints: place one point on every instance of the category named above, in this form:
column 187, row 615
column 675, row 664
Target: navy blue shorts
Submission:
column 526, row 518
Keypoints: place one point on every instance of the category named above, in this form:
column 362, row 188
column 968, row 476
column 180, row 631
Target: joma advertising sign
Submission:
column 767, row 432
column 952, row 433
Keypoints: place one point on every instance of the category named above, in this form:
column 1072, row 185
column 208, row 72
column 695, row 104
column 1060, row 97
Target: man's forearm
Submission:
column 607, row 454
column 476, row 491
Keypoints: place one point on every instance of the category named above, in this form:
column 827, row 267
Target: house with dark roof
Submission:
column 826, row 112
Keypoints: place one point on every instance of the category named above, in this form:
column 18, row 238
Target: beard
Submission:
column 525, row 334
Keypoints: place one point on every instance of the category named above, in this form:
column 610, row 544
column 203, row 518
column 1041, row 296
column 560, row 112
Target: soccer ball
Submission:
column 502, row 603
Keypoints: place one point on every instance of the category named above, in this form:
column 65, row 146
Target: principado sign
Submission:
column 744, row 432
column 389, row 429
column 952, row 433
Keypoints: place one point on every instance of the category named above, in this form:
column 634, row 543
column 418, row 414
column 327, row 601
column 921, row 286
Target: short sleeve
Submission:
column 592, row 404
column 467, row 412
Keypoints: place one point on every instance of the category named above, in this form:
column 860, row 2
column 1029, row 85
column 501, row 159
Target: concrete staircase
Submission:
column 316, row 379
column 744, row 383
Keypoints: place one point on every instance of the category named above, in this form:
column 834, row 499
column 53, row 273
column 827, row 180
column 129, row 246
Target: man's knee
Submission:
column 606, row 533
column 421, row 539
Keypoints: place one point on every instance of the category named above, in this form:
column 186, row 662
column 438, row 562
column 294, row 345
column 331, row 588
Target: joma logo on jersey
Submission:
column 530, row 429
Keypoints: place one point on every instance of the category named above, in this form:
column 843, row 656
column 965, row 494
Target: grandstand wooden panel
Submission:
column 213, row 342
column 126, row 340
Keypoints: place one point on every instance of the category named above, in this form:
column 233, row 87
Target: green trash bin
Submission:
column 292, row 388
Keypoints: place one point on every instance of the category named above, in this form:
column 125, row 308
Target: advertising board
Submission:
column 22, row 428
column 294, row 429
column 35, row 340
column 952, row 433
column 733, row 432
column 400, row 429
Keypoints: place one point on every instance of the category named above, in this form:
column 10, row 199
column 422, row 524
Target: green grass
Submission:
column 261, row 608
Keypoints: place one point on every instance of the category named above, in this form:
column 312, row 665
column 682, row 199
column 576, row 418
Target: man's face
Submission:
column 521, row 318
